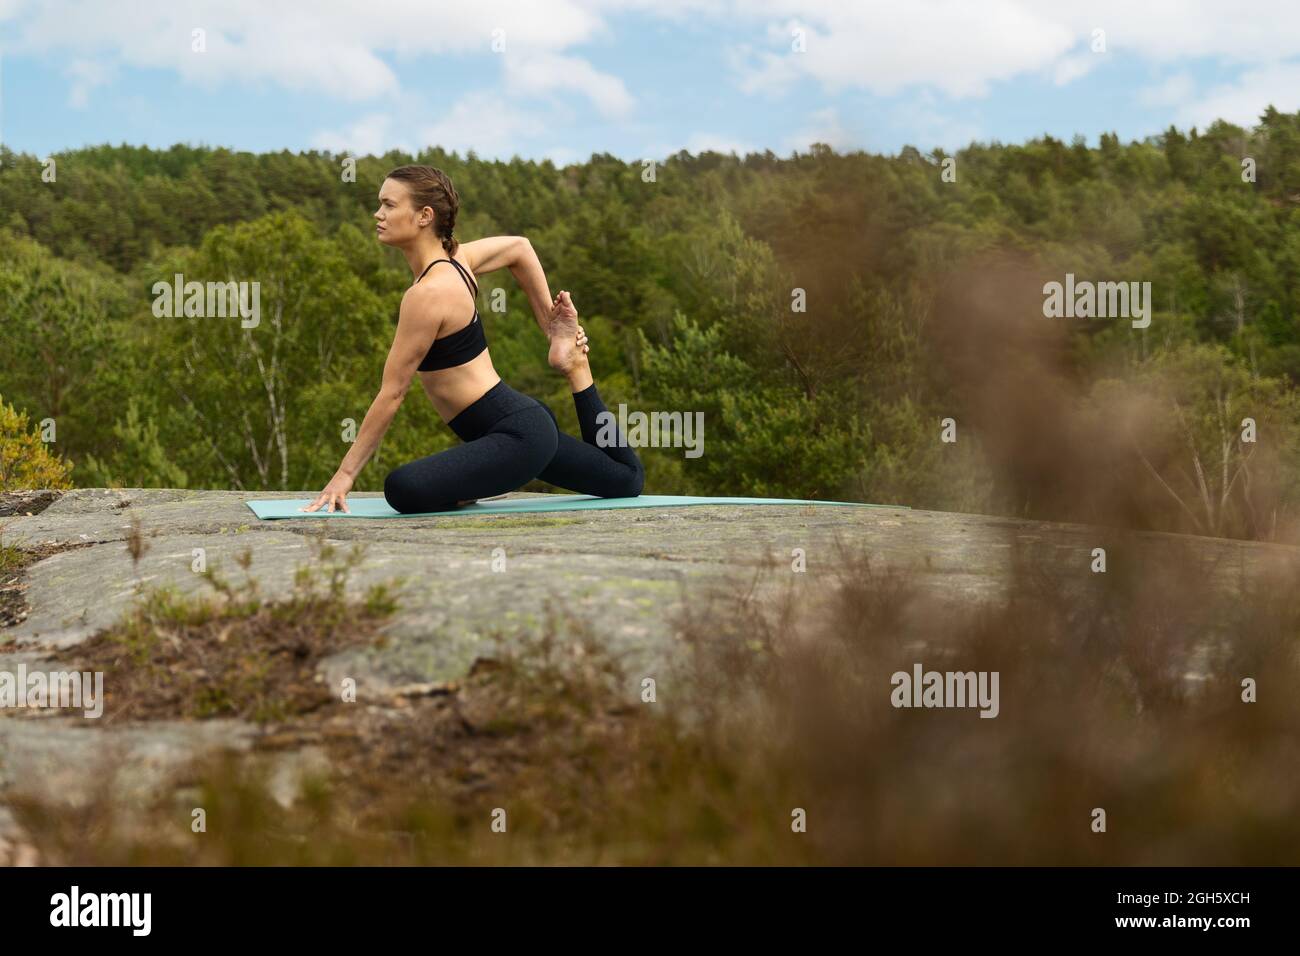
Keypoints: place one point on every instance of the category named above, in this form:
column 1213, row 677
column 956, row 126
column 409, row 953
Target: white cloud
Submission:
column 484, row 122
column 1073, row 67
column 548, row 72
column 884, row 47
column 1166, row 30
column 334, row 47
column 85, row 76
column 961, row 49
column 368, row 136
column 481, row 121
column 1243, row 101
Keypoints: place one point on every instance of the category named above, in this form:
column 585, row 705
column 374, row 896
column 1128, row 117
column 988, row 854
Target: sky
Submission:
column 562, row 79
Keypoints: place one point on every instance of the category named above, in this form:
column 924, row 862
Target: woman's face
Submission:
column 397, row 221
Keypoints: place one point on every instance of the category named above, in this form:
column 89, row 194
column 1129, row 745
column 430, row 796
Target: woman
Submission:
column 509, row 438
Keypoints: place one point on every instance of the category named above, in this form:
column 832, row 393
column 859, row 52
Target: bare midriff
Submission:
column 452, row 390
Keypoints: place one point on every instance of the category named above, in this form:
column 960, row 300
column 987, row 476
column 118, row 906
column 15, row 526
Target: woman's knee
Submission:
column 631, row 483
column 407, row 494
column 399, row 490
column 637, row 481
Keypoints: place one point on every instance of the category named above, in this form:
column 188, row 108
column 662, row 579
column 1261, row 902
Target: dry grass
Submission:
column 232, row 653
column 1120, row 691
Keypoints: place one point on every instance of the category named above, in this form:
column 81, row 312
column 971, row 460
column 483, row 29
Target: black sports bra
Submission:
column 463, row 344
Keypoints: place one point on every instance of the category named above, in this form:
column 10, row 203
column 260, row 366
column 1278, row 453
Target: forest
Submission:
column 849, row 326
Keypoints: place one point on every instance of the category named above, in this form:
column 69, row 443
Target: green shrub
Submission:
column 25, row 461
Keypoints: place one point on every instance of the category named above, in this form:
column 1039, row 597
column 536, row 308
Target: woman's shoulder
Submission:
column 434, row 298
column 424, row 293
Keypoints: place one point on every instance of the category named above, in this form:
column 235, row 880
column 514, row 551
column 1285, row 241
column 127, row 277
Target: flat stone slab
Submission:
column 462, row 578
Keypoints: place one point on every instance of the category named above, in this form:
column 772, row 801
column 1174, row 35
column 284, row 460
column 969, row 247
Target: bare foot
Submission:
column 568, row 342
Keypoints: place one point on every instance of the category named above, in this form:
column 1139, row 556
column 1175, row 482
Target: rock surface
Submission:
column 626, row 573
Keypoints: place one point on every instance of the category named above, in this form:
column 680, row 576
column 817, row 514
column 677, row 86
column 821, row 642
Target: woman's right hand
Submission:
column 335, row 493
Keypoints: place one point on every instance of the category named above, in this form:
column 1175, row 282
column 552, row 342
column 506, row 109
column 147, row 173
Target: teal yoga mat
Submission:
column 377, row 507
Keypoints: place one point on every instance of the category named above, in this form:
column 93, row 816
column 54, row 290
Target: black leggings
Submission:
column 509, row 439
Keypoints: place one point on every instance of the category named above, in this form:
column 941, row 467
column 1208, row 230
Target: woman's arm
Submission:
column 516, row 254
column 417, row 325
